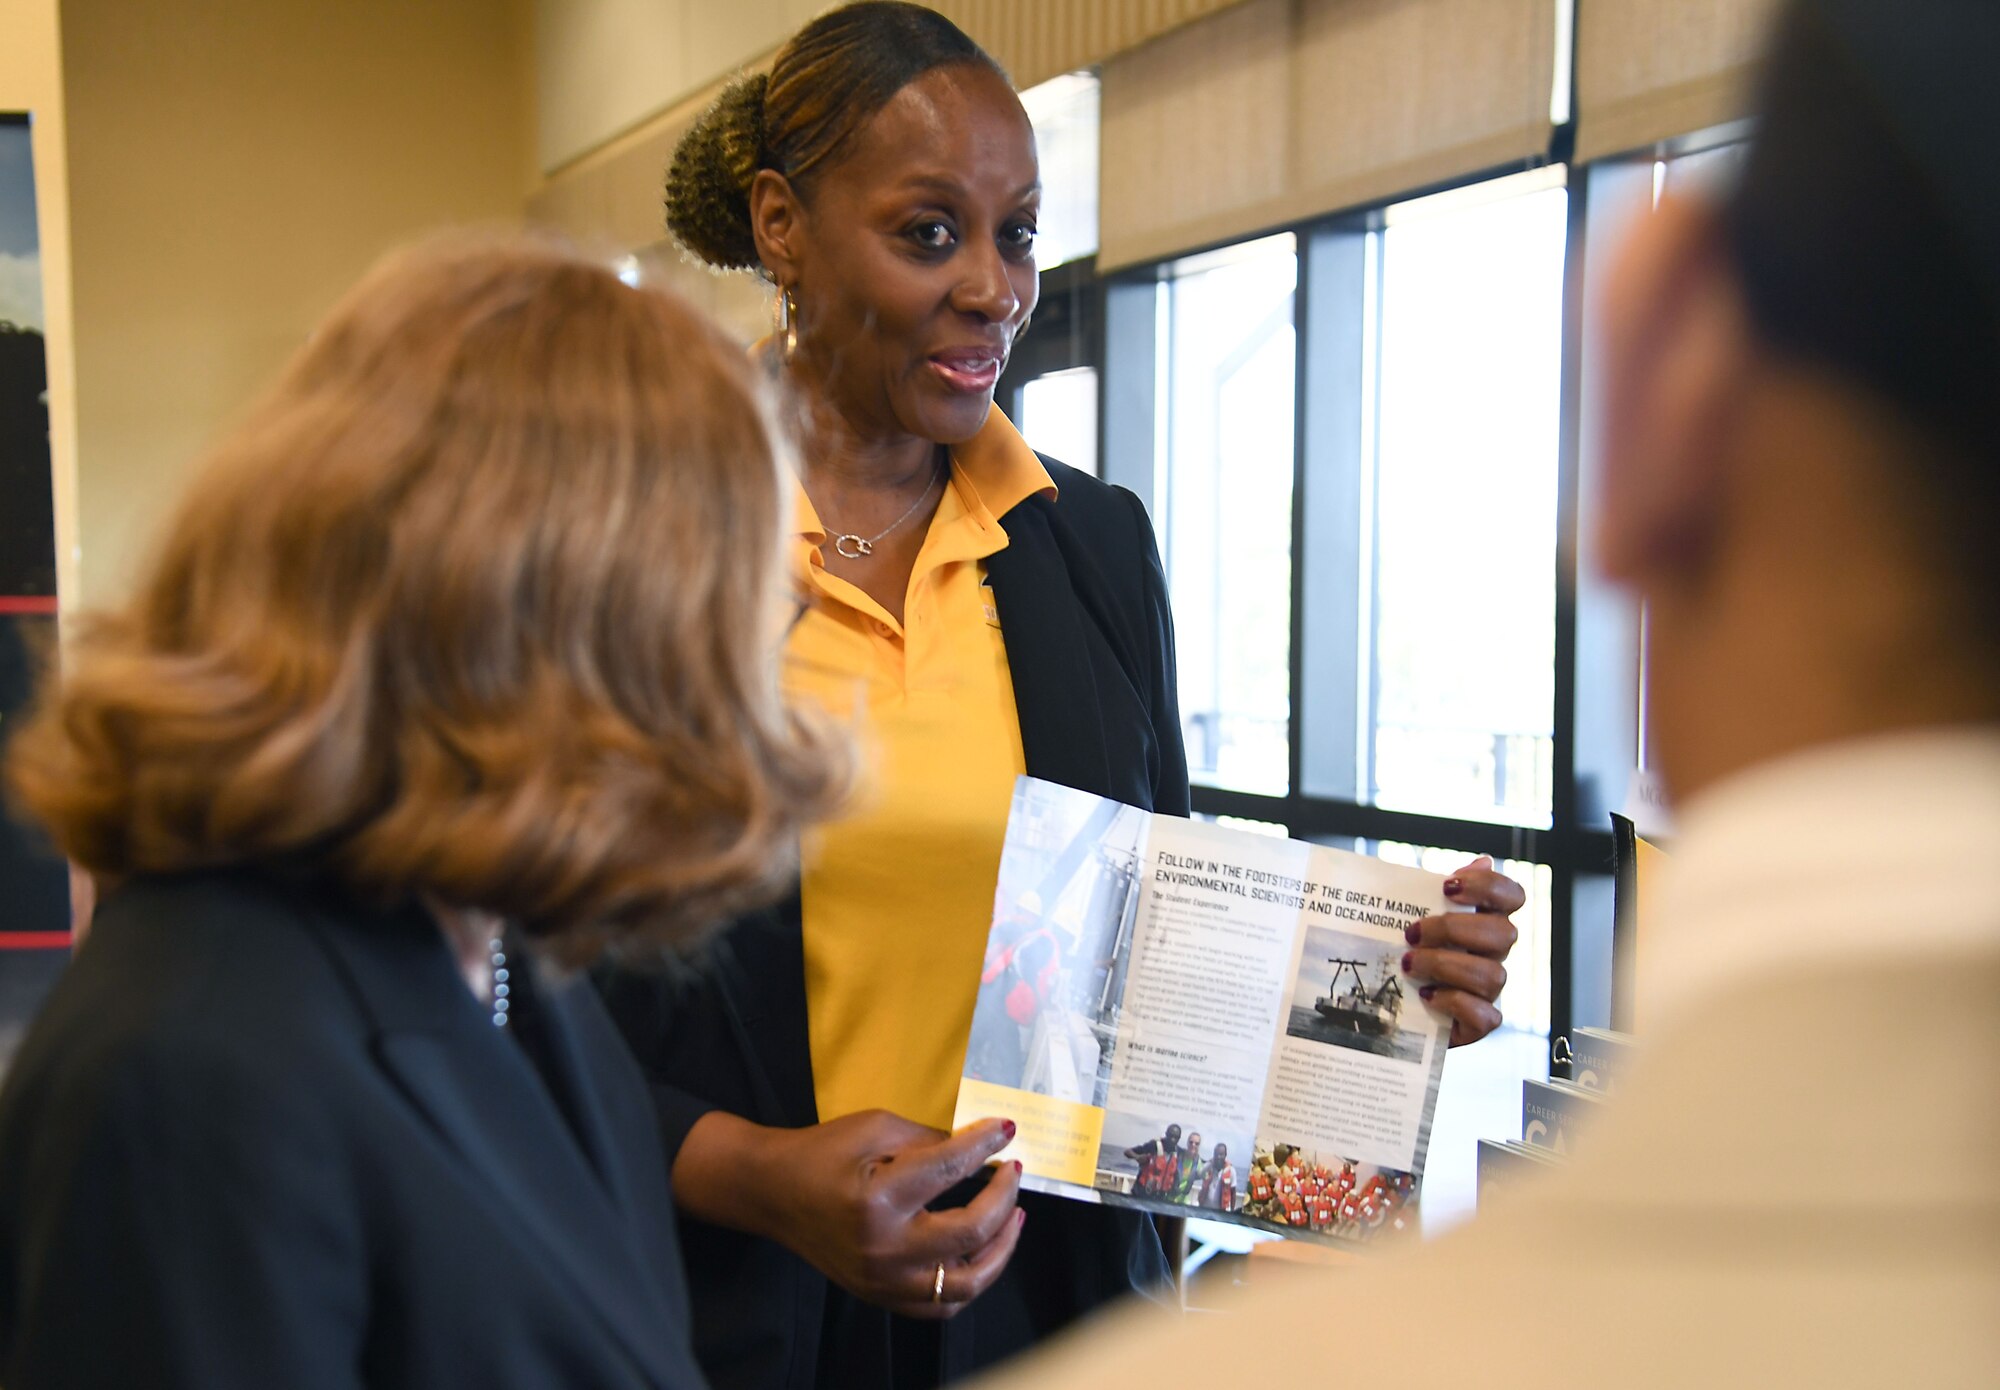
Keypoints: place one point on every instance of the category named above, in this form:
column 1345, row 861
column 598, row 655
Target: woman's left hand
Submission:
column 1458, row 955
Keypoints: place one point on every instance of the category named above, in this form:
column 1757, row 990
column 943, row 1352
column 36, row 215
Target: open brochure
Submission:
column 1204, row 1021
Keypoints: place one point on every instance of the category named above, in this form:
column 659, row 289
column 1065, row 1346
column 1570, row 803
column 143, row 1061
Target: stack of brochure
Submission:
column 1555, row 1112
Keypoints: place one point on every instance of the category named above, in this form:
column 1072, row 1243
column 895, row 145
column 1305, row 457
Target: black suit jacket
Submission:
column 260, row 1137
column 1083, row 613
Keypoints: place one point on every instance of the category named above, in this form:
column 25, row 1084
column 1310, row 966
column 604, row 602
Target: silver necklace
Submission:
column 852, row 547
column 497, row 948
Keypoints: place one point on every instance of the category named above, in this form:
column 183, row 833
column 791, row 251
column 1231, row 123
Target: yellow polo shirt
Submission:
column 898, row 894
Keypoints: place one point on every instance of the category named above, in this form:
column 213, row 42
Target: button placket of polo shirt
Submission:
column 918, row 640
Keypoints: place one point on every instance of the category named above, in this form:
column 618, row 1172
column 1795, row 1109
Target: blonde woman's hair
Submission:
column 483, row 603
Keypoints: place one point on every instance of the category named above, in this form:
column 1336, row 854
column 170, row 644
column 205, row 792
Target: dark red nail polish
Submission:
column 1408, row 956
column 1426, row 992
column 1017, row 1167
column 1007, row 1130
column 1453, row 887
column 1414, row 933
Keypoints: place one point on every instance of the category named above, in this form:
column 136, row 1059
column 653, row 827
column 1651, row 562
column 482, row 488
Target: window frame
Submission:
column 1066, row 332
column 1328, row 459
column 1113, row 327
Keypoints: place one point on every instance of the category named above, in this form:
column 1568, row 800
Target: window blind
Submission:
column 1650, row 70
column 1039, row 39
column 1279, row 110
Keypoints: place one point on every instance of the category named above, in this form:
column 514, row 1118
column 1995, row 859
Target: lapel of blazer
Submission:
column 633, row 1193
column 481, row 1094
column 1041, row 623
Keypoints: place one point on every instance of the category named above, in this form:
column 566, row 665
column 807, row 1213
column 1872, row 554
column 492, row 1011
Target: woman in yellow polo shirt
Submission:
column 976, row 612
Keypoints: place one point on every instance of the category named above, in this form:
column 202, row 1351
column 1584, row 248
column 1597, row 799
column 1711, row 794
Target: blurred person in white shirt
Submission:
column 1800, row 1182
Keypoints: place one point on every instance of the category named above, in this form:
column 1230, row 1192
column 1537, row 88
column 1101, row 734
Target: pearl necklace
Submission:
column 497, row 948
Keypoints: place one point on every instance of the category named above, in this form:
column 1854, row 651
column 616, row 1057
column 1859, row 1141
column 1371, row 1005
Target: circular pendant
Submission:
column 852, row 547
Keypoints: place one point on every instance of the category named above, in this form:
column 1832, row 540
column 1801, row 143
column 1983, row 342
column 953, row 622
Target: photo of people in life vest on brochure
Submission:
column 1295, row 1189
column 1305, row 1191
column 1173, row 1162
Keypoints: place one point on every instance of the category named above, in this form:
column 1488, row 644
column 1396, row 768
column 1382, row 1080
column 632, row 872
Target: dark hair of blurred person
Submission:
column 452, row 670
column 1799, row 1180
column 1817, row 360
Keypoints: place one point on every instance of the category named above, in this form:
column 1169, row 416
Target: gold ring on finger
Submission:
column 937, row 1284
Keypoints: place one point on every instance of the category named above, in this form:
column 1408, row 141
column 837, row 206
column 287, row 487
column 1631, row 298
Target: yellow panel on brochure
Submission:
column 1054, row 1138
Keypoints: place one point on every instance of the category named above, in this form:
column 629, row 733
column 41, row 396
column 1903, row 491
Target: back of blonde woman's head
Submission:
column 481, row 603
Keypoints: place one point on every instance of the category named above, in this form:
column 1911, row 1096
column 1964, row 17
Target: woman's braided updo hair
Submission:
column 825, row 84
column 708, row 183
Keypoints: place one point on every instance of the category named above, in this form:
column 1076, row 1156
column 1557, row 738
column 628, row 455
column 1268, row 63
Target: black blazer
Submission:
column 1083, row 612
column 260, row 1137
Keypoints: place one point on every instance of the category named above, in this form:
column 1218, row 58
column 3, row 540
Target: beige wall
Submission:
column 233, row 166
column 605, row 66
column 610, row 200
column 31, row 81
column 616, row 83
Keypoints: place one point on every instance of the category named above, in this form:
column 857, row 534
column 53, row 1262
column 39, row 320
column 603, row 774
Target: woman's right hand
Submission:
column 851, row 1198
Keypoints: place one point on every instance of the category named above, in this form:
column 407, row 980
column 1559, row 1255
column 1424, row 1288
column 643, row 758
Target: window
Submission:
column 1064, row 112
column 1353, row 437
column 1057, row 414
column 1432, row 412
column 1224, row 468
column 1050, row 388
column 1459, row 646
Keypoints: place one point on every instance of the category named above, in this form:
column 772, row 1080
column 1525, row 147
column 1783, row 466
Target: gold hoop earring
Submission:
column 788, row 322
